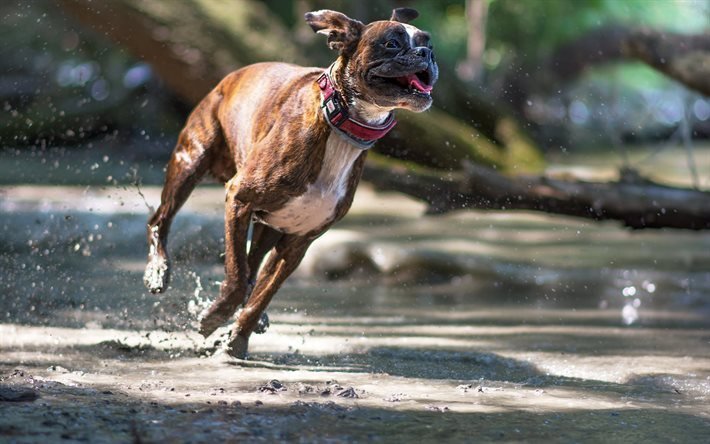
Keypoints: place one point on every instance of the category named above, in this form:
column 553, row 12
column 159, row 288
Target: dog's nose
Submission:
column 423, row 52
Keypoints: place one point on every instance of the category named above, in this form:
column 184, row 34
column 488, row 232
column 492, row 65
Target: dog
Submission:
column 289, row 143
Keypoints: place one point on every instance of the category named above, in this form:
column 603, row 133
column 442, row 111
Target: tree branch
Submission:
column 685, row 58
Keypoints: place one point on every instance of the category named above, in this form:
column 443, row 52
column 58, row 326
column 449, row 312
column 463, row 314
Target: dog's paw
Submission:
column 208, row 325
column 157, row 274
column 262, row 325
column 237, row 347
column 209, row 322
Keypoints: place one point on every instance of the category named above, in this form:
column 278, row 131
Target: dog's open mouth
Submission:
column 419, row 82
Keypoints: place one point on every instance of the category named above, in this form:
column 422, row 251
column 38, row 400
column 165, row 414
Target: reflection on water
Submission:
column 632, row 300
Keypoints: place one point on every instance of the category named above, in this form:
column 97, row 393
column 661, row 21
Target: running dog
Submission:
column 289, row 143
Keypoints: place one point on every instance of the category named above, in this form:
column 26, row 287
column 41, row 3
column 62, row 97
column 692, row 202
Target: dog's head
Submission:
column 387, row 63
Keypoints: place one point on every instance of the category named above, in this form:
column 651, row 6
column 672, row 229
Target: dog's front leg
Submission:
column 234, row 286
column 284, row 259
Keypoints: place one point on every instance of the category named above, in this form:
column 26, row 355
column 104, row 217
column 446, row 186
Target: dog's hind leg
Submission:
column 284, row 259
column 262, row 241
column 190, row 160
column 233, row 291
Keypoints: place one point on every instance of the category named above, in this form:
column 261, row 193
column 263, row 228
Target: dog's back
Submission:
column 259, row 102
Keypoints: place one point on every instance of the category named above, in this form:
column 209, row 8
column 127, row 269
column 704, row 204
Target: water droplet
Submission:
column 629, row 314
column 629, row 291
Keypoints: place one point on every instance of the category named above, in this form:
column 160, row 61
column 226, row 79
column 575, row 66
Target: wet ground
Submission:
column 397, row 327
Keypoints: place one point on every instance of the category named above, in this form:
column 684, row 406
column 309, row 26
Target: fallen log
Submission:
column 635, row 201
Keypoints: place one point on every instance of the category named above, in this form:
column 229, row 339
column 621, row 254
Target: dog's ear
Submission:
column 342, row 31
column 404, row 15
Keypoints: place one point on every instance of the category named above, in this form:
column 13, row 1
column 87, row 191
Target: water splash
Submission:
column 197, row 304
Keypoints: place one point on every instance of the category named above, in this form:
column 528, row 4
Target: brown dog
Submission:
column 290, row 144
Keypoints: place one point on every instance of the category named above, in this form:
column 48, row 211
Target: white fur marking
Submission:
column 411, row 30
column 369, row 112
column 316, row 207
column 183, row 156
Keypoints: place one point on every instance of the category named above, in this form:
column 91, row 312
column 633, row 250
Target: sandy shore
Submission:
column 367, row 381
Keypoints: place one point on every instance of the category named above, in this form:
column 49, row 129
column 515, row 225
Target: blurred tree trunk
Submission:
column 192, row 44
column 471, row 67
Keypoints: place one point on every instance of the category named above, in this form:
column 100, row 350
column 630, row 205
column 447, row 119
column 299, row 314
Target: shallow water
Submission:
column 499, row 326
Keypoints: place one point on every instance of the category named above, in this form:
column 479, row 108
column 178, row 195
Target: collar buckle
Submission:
column 334, row 111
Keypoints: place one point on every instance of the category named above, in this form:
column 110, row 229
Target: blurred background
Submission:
column 522, row 82
column 579, row 92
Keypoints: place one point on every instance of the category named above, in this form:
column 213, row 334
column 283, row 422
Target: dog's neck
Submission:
column 359, row 108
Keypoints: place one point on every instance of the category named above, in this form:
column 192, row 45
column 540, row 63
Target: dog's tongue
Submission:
column 413, row 81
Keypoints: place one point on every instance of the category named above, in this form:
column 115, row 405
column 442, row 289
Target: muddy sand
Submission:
column 462, row 328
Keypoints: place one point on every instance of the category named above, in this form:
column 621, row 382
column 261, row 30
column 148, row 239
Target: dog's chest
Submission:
column 317, row 206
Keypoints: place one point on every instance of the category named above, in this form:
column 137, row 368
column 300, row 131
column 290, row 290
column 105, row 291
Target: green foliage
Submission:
column 446, row 21
column 534, row 28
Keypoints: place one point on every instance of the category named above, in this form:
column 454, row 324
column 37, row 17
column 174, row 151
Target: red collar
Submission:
column 336, row 113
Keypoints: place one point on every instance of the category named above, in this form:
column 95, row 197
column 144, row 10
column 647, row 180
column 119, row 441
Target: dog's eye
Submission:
column 392, row 44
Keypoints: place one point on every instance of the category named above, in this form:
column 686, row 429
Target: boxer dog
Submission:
column 289, row 143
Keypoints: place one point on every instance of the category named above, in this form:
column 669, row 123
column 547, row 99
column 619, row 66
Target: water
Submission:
column 82, row 248
column 509, row 326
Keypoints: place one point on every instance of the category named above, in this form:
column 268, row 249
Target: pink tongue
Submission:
column 414, row 81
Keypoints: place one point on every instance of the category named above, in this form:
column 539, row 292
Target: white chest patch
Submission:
column 316, row 207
